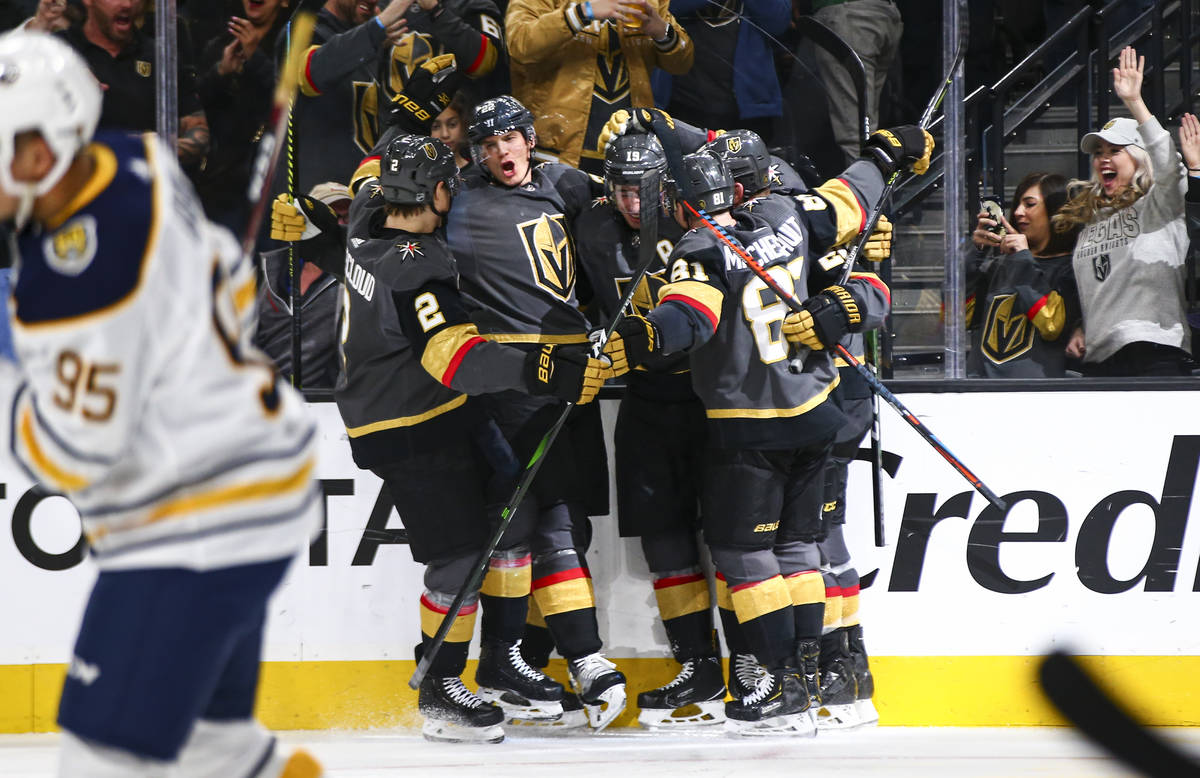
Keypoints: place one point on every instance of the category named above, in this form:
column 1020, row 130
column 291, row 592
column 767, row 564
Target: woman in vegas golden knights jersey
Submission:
column 511, row 234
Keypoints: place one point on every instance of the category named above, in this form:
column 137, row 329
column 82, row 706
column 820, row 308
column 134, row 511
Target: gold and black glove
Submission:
column 825, row 320
column 568, row 372
column 634, row 338
column 301, row 219
column 879, row 243
column 428, row 92
column 900, row 148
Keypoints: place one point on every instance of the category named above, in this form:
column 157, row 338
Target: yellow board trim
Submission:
column 63, row 480
column 910, row 691
column 774, row 413
column 406, row 421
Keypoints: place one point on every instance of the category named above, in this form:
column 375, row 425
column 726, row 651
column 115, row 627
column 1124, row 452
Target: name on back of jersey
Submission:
column 359, row 279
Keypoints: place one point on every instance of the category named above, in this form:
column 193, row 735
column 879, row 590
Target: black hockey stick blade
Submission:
column 266, row 159
column 648, row 237
column 1105, row 722
column 830, row 41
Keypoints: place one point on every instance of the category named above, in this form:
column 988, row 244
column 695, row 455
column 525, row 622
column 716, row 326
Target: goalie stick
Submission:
column 1106, row 723
column 670, row 144
column 648, row 209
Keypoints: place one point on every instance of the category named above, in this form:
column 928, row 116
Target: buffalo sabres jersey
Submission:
column 758, row 391
column 411, row 354
column 1020, row 311
column 608, row 260
column 143, row 400
column 516, row 256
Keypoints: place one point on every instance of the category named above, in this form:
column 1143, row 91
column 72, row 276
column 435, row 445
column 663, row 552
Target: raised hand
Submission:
column 1189, row 142
column 1127, row 83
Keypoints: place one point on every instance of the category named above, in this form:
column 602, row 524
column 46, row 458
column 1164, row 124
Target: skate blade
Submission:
column 570, row 721
column 794, row 725
column 700, row 714
column 449, row 732
column 839, row 717
column 532, row 710
column 866, row 712
column 612, row 702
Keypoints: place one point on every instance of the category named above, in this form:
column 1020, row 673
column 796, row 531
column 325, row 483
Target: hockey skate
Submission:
column 865, row 708
column 780, row 705
column 524, row 694
column 838, row 689
column 453, row 714
column 601, row 688
column 695, row 698
column 745, row 673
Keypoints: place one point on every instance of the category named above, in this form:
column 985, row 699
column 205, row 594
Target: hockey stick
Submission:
column 890, row 184
column 269, row 147
column 648, row 208
column 1106, row 723
column 847, row 57
column 876, row 446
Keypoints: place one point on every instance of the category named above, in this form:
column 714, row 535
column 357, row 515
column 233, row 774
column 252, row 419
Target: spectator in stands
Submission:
column 320, row 300
column 121, row 56
column 575, row 63
column 235, row 83
column 1129, row 258
column 733, row 83
column 335, row 119
column 450, row 127
column 49, row 17
column 1022, row 302
column 872, row 28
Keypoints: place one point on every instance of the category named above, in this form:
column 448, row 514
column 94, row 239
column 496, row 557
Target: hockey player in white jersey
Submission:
column 142, row 401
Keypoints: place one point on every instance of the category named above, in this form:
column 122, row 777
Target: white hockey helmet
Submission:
column 46, row 86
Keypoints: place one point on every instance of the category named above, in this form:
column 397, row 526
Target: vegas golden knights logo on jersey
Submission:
column 612, row 73
column 1007, row 333
column 549, row 249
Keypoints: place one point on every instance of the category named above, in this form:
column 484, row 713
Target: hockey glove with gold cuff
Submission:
column 568, row 372
column 427, row 93
column 825, row 320
column 901, row 148
column 634, row 338
column 636, row 120
column 301, row 219
column 879, row 243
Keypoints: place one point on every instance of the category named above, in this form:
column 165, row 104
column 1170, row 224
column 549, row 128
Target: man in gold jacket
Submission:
column 574, row 63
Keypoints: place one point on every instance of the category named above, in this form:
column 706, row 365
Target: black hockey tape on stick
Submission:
column 1106, row 723
column 872, row 339
column 647, row 250
column 269, row 147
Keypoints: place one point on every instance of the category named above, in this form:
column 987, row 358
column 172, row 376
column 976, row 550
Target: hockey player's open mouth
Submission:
column 509, row 168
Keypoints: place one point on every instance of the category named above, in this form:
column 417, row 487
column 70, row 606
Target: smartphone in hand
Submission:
column 992, row 206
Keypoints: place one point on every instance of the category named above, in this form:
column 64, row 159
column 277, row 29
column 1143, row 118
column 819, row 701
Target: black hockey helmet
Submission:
column 747, row 158
column 709, row 187
column 412, row 166
column 629, row 158
column 498, row 116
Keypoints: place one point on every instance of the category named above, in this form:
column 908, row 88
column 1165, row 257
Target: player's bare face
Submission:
column 113, row 19
column 628, row 203
column 507, row 157
column 448, row 128
column 1114, row 167
column 1031, row 219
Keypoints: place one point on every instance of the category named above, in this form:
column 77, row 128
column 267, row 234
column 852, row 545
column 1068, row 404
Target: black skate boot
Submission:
column 453, row 714
column 695, row 698
column 778, row 706
column 808, row 659
column 601, row 688
column 524, row 694
column 862, row 676
column 744, row 674
column 838, row 689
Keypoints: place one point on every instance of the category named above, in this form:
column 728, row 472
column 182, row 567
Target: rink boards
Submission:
column 1093, row 555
